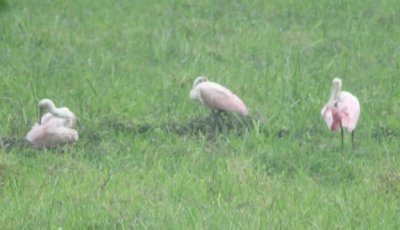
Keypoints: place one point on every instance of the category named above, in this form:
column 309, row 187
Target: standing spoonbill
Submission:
column 341, row 111
column 217, row 98
column 54, row 128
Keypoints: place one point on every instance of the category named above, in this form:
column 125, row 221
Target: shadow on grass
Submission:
column 197, row 126
column 8, row 143
column 383, row 132
column 25, row 148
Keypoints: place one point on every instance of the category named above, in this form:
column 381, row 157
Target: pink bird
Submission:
column 54, row 128
column 216, row 98
column 341, row 111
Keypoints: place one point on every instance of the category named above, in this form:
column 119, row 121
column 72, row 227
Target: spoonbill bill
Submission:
column 217, row 98
column 54, row 128
column 341, row 111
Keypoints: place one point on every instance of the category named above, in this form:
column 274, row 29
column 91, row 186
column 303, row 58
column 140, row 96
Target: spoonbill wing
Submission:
column 349, row 110
column 215, row 96
column 42, row 136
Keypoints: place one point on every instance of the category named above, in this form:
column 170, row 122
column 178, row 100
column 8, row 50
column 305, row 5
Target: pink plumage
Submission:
column 55, row 127
column 342, row 109
column 217, row 97
column 347, row 110
column 51, row 134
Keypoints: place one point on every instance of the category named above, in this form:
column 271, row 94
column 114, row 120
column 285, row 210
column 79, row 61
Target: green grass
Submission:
column 144, row 158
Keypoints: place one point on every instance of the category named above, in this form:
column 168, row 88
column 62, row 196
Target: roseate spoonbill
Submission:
column 54, row 128
column 341, row 111
column 217, row 98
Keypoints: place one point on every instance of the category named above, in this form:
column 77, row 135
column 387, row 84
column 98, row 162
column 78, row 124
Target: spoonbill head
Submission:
column 199, row 80
column 337, row 84
column 45, row 105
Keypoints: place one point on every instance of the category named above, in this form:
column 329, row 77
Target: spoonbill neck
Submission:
column 335, row 92
column 60, row 112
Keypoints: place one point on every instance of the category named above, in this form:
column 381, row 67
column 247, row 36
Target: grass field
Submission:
column 146, row 157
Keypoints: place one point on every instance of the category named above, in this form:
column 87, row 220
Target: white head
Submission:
column 337, row 84
column 45, row 105
column 199, row 80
